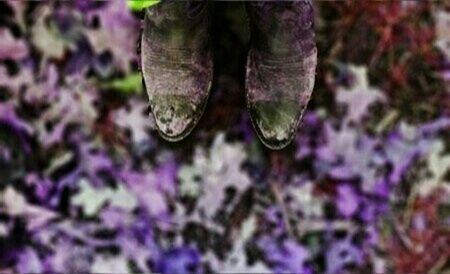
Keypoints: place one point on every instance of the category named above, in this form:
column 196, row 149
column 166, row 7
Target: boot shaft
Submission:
column 282, row 28
column 176, row 24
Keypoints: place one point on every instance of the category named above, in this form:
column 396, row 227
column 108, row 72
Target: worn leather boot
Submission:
column 176, row 64
column 281, row 67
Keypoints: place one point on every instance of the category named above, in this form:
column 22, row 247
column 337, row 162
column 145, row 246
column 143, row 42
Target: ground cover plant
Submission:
column 86, row 184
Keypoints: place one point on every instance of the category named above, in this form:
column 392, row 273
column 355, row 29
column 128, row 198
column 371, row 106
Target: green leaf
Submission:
column 138, row 5
column 132, row 83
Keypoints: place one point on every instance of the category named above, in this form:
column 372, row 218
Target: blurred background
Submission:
column 86, row 184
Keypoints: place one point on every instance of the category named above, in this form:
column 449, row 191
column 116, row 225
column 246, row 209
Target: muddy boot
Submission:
column 176, row 65
column 280, row 68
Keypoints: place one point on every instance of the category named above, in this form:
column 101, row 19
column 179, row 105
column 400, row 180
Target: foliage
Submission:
column 364, row 187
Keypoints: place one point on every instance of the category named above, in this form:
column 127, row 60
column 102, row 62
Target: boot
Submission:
column 281, row 68
column 176, row 65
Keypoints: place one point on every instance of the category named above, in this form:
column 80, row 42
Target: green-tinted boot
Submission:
column 176, row 65
column 280, row 68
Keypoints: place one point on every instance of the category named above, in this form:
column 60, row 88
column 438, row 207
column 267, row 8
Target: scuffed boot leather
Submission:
column 281, row 68
column 176, row 65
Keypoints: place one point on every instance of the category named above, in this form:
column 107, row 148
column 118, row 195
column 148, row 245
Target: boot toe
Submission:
column 277, row 95
column 275, row 122
column 175, row 115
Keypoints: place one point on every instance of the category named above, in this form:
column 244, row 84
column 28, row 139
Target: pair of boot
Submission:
column 178, row 70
